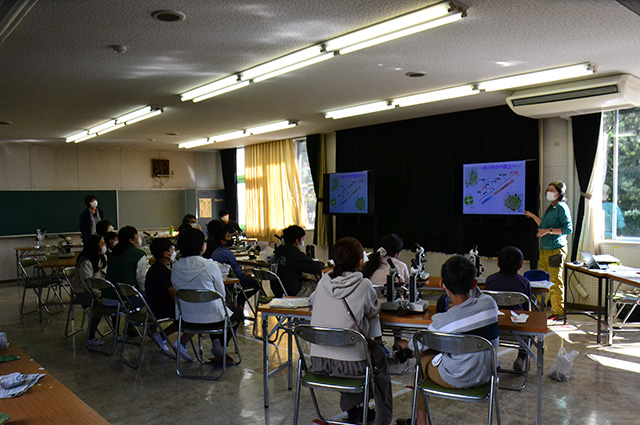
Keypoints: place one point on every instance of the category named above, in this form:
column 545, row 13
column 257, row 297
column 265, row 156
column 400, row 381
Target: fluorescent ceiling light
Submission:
column 293, row 67
column 87, row 137
column 211, row 87
column 12, row 14
column 134, row 114
column 293, row 58
column 359, row 110
column 439, row 14
column 77, row 136
column 107, row 130
column 102, row 126
column 144, row 117
column 537, row 77
column 209, row 95
column 281, row 125
column 195, row 143
column 402, row 33
column 406, row 21
column 435, row 96
column 228, row 136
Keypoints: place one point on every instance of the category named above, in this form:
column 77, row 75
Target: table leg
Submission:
column 540, row 363
column 265, row 357
column 609, row 308
column 290, row 354
column 599, row 308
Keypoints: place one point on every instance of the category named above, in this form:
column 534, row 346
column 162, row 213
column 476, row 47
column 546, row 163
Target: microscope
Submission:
column 416, row 304
column 64, row 247
column 474, row 257
column 392, row 288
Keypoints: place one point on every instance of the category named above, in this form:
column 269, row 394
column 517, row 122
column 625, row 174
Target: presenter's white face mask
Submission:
column 111, row 229
column 93, row 203
column 551, row 196
column 173, row 256
column 139, row 241
column 103, row 250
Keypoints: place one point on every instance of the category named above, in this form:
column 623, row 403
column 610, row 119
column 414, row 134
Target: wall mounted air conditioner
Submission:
column 579, row 97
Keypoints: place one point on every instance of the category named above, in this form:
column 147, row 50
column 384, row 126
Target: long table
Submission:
column 605, row 277
column 288, row 319
column 48, row 402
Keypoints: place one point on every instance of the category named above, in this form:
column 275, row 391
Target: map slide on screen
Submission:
column 348, row 193
column 494, row 188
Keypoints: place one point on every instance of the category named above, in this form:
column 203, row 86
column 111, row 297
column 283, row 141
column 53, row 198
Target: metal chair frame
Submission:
column 204, row 296
column 96, row 286
column 69, row 273
column 261, row 275
column 623, row 297
column 454, row 344
column 331, row 337
column 506, row 299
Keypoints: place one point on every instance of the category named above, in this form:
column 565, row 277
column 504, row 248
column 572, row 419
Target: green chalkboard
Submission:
column 57, row 211
column 152, row 209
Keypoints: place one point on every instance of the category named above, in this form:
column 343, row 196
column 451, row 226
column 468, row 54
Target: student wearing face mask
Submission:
column 232, row 226
column 91, row 263
column 161, row 294
column 553, row 229
column 90, row 217
column 103, row 227
column 291, row 263
column 110, row 240
column 191, row 220
column 128, row 263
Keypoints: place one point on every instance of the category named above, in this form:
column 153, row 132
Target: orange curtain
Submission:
column 273, row 190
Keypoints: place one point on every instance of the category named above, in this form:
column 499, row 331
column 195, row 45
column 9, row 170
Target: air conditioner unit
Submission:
column 576, row 98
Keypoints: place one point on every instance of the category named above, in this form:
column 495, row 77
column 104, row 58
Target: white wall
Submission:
column 77, row 167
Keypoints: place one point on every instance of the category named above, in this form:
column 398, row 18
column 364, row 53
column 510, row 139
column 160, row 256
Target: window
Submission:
column 306, row 181
column 242, row 200
column 621, row 191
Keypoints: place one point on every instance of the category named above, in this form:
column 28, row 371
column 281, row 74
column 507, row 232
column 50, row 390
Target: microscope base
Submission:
column 419, row 306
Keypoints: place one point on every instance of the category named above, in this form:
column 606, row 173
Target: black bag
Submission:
column 555, row 261
column 376, row 352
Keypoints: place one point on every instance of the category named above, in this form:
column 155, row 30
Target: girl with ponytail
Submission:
column 377, row 268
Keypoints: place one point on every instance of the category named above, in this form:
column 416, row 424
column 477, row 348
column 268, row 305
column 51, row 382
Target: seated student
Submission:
column 103, row 227
column 345, row 283
column 128, row 263
column 510, row 261
column 110, row 240
column 161, row 294
column 192, row 271
column 377, row 267
column 292, row 262
column 91, row 263
column 232, row 226
column 472, row 312
column 217, row 250
column 191, row 220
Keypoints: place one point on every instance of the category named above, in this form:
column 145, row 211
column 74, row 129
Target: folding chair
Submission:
column 507, row 300
column 625, row 297
column 331, row 337
column 274, row 281
column 538, row 275
column 30, row 279
column 204, row 296
column 69, row 274
column 112, row 313
column 138, row 317
column 455, row 344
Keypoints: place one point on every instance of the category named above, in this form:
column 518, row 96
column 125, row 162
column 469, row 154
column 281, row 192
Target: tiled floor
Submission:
column 603, row 388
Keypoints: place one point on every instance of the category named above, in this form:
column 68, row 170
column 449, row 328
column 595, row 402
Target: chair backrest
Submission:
column 506, row 299
column 132, row 297
column 263, row 274
column 199, row 296
column 330, row 337
column 69, row 273
column 536, row 275
column 453, row 343
column 26, row 263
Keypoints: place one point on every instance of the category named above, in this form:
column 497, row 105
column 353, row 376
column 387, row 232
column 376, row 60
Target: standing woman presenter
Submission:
column 553, row 229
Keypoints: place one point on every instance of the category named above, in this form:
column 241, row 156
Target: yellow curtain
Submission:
column 322, row 236
column 273, row 190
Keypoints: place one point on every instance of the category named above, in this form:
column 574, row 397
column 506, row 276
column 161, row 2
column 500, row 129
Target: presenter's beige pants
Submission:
column 556, row 292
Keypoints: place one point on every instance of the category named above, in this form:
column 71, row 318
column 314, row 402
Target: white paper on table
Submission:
column 30, row 381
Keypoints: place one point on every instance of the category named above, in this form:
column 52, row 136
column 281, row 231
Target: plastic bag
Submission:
column 561, row 370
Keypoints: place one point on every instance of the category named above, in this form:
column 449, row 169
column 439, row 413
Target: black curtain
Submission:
column 313, row 151
column 230, row 179
column 586, row 132
column 418, row 179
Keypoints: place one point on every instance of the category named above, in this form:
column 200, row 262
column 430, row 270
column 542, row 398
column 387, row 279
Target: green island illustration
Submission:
column 333, row 201
column 361, row 204
column 472, row 177
column 468, row 200
column 513, row 202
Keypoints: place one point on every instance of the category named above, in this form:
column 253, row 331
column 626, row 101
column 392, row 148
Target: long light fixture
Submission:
column 537, row 77
column 430, row 17
column 116, row 123
column 238, row 134
column 510, row 82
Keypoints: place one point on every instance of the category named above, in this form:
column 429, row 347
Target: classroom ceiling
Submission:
column 59, row 75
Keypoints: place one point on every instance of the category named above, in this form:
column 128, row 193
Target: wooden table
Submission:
column 40, row 251
column 48, row 402
column 288, row 319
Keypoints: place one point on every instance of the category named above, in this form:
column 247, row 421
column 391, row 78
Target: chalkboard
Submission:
column 152, row 209
column 57, row 211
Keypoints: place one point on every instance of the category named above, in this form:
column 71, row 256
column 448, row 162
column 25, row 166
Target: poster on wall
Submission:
column 205, row 208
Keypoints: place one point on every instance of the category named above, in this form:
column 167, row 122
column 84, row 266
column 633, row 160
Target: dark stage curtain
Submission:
column 418, row 179
column 229, row 179
column 586, row 132
column 313, row 151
